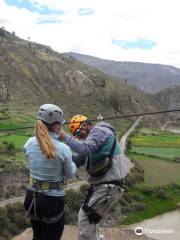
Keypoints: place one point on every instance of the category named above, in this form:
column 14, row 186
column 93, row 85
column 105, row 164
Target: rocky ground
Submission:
column 70, row 233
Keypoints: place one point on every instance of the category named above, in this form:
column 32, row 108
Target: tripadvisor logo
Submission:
column 138, row 231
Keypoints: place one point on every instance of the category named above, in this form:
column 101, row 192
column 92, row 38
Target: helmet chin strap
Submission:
column 85, row 129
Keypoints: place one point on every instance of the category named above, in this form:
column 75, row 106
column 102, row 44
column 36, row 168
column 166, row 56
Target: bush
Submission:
column 175, row 186
column 20, row 220
column 128, row 145
column 137, row 197
column 4, row 221
column 139, row 206
column 129, row 182
column 128, row 197
column 177, row 159
column 138, row 178
column 10, row 146
column 73, row 201
column 147, row 190
column 12, row 220
column 161, row 194
column 83, row 188
column 125, row 210
column 123, row 202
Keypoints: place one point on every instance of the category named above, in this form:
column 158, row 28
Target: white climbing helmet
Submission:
column 50, row 113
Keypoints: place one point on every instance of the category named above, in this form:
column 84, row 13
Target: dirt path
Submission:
column 167, row 127
column 3, row 203
column 70, row 233
column 123, row 142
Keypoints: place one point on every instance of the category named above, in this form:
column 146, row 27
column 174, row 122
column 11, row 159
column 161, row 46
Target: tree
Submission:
column 10, row 146
column 2, row 32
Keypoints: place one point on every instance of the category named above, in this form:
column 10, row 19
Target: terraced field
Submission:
column 157, row 140
column 159, row 155
column 166, row 153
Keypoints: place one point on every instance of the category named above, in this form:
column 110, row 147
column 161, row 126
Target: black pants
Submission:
column 46, row 206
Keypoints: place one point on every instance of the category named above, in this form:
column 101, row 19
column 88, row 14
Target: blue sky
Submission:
column 85, row 11
column 137, row 43
column 33, row 6
column 124, row 30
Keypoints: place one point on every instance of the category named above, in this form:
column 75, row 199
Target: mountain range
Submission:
column 150, row 78
column 32, row 74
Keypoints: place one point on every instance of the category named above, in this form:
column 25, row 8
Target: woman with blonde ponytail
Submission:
column 43, row 137
column 50, row 162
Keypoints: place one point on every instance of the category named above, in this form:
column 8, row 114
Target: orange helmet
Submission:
column 76, row 122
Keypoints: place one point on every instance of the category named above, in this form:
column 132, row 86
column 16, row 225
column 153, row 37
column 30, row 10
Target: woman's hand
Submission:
column 57, row 129
column 61, row 134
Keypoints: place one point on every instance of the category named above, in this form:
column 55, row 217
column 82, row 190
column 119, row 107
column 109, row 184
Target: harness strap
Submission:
column 122, row 183
column 27, row 213
column 92, row 214
column 52, row 219
column 44, row 185
column 33, row 204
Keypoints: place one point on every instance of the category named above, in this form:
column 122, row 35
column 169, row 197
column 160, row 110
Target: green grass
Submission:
column 167, row 153
column 4, row 126
column 152, row 153
column 9, row 125
column 161, row 140
column 154, row 205
column 17, row 140
column 158, row 171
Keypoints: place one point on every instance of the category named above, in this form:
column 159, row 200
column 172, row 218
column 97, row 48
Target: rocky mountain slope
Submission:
column 32, row 74
column 169, row 97
column 149, row 78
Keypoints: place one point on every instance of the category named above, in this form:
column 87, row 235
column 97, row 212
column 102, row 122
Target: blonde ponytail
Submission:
column 44, row 140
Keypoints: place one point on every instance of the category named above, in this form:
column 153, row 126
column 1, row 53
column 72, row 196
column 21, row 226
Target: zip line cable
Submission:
column 102, row 118
column 136, row 115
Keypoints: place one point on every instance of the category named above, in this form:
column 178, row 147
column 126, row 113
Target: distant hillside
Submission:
column 169, row 97
column 32, row 74
column 147, row 77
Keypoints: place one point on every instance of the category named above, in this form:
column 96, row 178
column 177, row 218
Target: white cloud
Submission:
column 155, row 20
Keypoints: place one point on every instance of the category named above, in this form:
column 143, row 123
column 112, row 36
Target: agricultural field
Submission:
column 159, row 155
column 16, row 139
column 11, row 145
column 157, row 140
column 158, row 171
column 164, row 153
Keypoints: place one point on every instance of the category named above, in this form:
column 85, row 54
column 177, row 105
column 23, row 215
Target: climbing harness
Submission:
column 44, row 185
column 92, row 214
column 31, row 213
column 36, row 187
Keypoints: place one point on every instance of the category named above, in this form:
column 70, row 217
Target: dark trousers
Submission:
column 46, row 206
